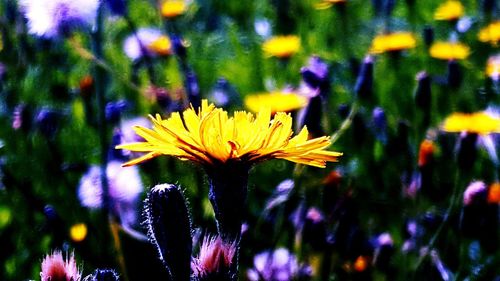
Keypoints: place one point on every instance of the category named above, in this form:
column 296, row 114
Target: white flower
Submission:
column 145, row 36
column 52, row 18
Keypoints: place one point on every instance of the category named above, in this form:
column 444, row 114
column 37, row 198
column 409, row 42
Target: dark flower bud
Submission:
column 117, row 7
column 179, row 46
column 48, row 121
column 378, row 6
column 343, row 111
column 389, row 7
column 364, row 82
column 169, row 228
column 454, row 75
column 314, row 230
column 114, row 110
column 467, row 151
column 423, row 97
column 384, row 249
column 472, row 218
column 193, row 89
column 311, row 116
column 488, row 6
column 379, row 124
column 103, row 275
column 428, row 35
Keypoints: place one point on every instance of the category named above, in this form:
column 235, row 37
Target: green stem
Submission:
column 346, row 124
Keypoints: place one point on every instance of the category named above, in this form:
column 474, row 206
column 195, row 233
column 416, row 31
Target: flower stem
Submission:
column 346, row 124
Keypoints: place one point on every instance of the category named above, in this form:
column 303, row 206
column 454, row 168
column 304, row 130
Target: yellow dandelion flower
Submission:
column 478, row 122
column 173, row 8
column 161, row 46
column 210, row 137
column 493, row 67
column 490, row 33
column 393, row 42
column 276, row 101
column 449, row 10
column 78, row 232
column 281, row 46
column 449, row 51
column 325, row 4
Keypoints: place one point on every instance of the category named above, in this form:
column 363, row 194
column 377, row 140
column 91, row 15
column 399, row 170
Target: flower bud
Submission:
column 379, row 124
column 114, row 110
column 103, row 275
column 454, row 75
column 428, row 35
column 364, row 82
column 315, row 75
column 48, row 121
column 169, row 228
column 193, row 89
column 467, row 151
column 423, row 96
column 314, row 230
column 311, row 116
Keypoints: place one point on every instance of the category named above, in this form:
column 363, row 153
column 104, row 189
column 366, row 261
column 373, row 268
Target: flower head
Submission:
column 52, row 18
column 494, row 193
column 173, row 8
column 276, row 101
column 449, row 10
column 479, row 122
column 57, row 268
column 393, row 42
column 281, row 46
column 449, row 51
column 277, row 265
column 493, row 67
column 147, row 41
column 215, row 257
column 490, row 33
column 78, row 232
column 210, row 137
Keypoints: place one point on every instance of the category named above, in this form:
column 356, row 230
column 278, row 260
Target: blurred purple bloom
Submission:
column 475, row 192
column 278, row 265
column 262, row 28
column 125, row 186
column 53, row 18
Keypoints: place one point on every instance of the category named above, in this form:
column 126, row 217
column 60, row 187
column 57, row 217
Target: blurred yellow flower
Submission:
column 78, row 232
column 210, row 137
column 477, row 122
column 281, row 46
column 173, row 8
column 449, row 51
column 161, row 46
column 275, row 101
column 493, row 67
column 449, row 10
column 490, row 33
column 325, row 4
column 393, row 42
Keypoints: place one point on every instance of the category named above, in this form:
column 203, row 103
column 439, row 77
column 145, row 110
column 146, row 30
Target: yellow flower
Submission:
column 449, row 10
column 493, row 67
column 478, row 122
column 210, row 137
column 161, row 46
column 325, row 4
column 78, row 232
column 491, row 33
column 393, row 42
column 276, row 101
column 449, row 51
column 281, row 46
column 173, row 8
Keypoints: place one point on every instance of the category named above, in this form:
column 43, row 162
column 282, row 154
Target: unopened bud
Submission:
column 423, row 96
column 169, row 228
column 454, row 75
column 364, row 82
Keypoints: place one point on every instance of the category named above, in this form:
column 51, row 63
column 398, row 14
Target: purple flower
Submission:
column 53, row 18
column 125, row 186
column 277, row 265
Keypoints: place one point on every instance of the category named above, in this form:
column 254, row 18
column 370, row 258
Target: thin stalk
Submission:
column 345, row 124
column 100, row 90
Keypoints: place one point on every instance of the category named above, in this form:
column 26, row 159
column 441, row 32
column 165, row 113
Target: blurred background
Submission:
column 411, row 198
